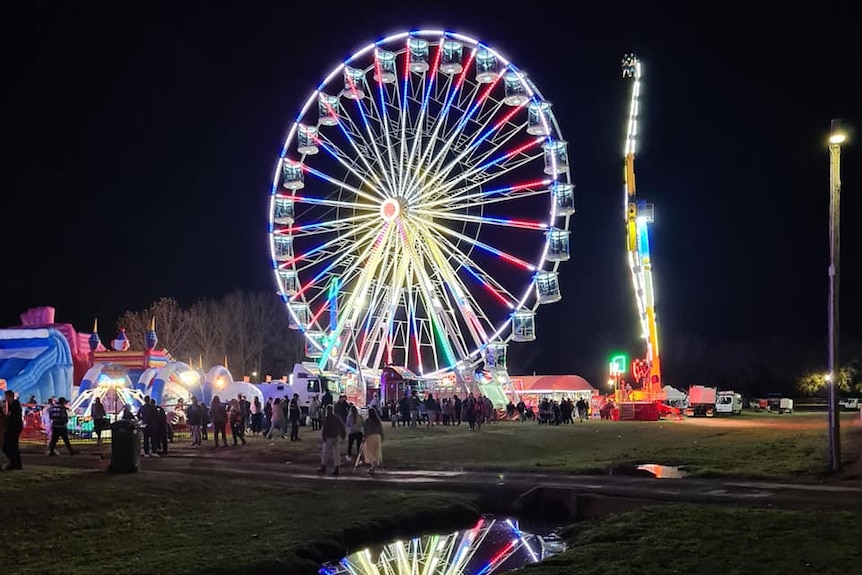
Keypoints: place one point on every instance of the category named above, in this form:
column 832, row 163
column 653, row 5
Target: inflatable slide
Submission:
column 36, row 361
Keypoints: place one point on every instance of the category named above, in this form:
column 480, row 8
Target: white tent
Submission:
column 673, row 395
column 245, row 388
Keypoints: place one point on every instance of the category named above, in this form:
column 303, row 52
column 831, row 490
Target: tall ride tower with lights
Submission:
column 639, row 215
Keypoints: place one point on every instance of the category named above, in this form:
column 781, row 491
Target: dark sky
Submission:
column 139, row 141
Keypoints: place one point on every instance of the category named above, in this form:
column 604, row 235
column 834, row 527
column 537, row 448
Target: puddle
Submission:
column 493, row 545
column 663, row 471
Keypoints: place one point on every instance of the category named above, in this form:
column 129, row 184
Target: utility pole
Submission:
column 836, row 138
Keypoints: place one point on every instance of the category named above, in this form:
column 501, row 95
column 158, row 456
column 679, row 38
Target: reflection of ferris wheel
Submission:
column 491, row 546
column 421, row 206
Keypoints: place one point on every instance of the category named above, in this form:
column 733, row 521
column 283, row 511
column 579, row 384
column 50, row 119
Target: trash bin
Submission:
column 125, row 447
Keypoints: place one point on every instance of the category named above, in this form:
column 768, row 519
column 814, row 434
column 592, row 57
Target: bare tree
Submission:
column 250, row 330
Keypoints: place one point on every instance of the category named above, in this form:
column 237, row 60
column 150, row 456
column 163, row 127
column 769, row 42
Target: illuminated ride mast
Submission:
column 638, row 217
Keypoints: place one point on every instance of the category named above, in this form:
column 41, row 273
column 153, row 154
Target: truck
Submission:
column 729, row 403
column 307, row 381
column 775, row 403
column 708, row 402
column 701, row 401
column 850, row 403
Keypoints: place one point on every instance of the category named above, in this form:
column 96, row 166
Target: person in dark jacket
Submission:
column 14, row 426
column 293, row 414
column 147, row 415
column 219, row 418
column 160, row 437
column 195, row 417
column 59, row 420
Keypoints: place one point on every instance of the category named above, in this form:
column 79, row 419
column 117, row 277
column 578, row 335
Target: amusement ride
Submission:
column 639, row 215
column 420, row 210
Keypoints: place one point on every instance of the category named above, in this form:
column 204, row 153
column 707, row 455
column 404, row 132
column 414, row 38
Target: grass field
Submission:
column 688, row 539
column 757, row 446
column 92, row 523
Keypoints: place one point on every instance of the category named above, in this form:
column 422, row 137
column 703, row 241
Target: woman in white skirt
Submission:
column 372, row 448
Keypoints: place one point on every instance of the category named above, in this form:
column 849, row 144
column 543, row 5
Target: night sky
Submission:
column 139, row 145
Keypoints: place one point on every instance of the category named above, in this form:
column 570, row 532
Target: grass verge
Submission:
column 682, row 539
column 71, row 522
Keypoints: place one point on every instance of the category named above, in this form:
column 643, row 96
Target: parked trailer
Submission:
column 701, row 401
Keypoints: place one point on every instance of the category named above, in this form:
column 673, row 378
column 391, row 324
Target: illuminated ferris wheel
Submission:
column 420, row 207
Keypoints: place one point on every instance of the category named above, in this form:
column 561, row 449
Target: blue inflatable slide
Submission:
column 36, row 362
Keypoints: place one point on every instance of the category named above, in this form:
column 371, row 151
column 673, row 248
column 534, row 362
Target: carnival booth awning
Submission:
column 556, row 384
column 673, row 394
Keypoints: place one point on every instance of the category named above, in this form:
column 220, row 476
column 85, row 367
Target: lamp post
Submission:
column 837, row 136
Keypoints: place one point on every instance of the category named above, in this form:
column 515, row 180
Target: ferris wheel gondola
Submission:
column 420, row 207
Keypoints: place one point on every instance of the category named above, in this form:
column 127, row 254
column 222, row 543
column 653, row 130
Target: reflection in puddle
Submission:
column 493, row 545
column 663, row 471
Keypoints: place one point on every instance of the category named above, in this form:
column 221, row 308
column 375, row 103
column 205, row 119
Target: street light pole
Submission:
column 836, row 138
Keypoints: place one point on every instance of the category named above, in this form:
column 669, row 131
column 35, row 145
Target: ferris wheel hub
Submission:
column 390, row 209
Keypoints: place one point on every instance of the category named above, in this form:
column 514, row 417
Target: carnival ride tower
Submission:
column 639, row 215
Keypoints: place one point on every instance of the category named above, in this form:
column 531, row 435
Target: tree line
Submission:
column 249, row 330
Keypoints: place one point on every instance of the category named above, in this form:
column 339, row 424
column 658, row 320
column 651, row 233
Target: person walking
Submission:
column 333, row 431
column 372, row 446
column 277, row 419
column 237, row 421
column 219, row 419
column 14, row 426
column 355, row 427
column 100, row 418
column 59, row 420
column 256, row 416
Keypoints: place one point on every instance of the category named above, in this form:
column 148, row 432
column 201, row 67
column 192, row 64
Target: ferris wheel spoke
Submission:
column 373, row 319
column 458, row 199
column 348, row 162
column 502, row 222
column 505, row 256
column 503, row 130
column 495, row 288
column 376, row 317
column 452, row 91
column 384, row 116
column 457, row 291
column 494, row 156
column 403, row 117
column 455, row 133
column 340, row 184
column 338, row 250
column 484, row 133
column 362, row 150
column 373, row 137
column 327, row 226
column 433, row 298
column 503, row 163
column 385, row 313
column 429, row 79
column 328, row 245
column 363, row 283
column 334, row 203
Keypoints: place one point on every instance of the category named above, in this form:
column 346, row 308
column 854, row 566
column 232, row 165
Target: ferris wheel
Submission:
column 420, row 207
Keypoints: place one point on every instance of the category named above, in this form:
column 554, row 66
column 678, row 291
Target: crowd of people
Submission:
column 337, row 421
